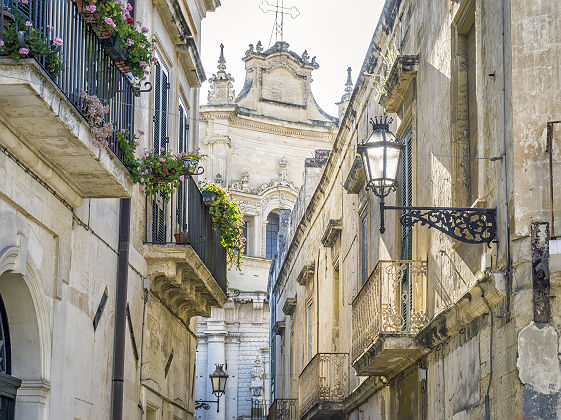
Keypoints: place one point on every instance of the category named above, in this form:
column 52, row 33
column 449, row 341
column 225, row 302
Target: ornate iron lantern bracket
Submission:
column 470, row 225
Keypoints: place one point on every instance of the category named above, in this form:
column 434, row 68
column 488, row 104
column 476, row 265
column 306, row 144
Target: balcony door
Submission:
column 182, row 147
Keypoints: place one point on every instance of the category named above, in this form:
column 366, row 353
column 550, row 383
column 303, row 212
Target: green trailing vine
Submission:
column 128, row 146
column 228, row 217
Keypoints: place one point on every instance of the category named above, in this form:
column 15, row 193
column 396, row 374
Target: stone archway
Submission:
column 26, row 318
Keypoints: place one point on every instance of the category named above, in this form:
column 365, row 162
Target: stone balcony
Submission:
column 323, row 385
column 387, row 313
column 42, row 115
column 283, row 409
column 43, row 129
column 186, row 263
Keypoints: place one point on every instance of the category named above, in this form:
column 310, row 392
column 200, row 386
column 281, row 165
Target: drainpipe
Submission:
column 120, row 311
column 505, row 183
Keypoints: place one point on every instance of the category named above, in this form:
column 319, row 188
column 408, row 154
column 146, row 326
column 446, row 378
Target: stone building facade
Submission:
column 257, row 144
column 411, row 323
column 97, row 311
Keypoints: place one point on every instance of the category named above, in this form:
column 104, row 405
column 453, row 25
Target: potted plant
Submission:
column 22, row 40
column 161, row 172
column 181, row 236
column 127, row 42
column 227, row 215
column 191, row 161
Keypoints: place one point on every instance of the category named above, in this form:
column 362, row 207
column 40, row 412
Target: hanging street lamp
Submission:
column 381, row 154
column 218, row 381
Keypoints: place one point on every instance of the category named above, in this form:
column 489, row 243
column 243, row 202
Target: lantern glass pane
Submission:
column 215, row 382
column 376, row 160
column 392, row 164
column 223, row 383
column 375, row 137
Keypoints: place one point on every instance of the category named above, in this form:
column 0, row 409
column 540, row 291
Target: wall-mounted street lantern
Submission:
column 381, row 154
column 218, row 382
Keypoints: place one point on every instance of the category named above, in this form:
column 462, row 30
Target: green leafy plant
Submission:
column 128, row 145
column 161, row 172
column 38, row 43
column 228, row 217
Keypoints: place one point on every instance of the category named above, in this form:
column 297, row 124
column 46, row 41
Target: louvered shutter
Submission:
column 160, row 136
column 406, row 232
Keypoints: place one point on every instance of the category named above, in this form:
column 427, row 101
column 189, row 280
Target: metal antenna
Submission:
column 280, row 11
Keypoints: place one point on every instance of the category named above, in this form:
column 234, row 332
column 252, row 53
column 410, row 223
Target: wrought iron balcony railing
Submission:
column 392, row 301
column 283, row 409
column 325, row 379
column 185, row 219
column 87, row 66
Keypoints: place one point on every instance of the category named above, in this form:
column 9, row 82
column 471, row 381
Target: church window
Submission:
column 271, row 235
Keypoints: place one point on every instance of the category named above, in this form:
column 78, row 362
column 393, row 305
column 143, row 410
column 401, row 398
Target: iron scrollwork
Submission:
column 201, row 404
column 470, row 225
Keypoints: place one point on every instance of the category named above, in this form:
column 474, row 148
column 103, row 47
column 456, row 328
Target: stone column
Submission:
column 232, row 358
column 216, row 354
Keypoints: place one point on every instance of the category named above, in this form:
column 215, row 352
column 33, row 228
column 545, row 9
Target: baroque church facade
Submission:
column 258, row 144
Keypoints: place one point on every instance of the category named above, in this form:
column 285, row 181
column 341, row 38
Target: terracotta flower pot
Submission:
column 180, row 238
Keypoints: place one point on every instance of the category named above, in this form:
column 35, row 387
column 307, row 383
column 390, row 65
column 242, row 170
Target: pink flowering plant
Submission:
column 160, row 172
column 228, row 218
column 114, row 17
column 37, row 43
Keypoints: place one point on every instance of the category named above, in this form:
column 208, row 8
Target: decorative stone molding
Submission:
column 278, row 328
column 182, row 281
column 289, row 306
column 403, row 71
column 306, row 274
column 356, row 178
column 332, row 232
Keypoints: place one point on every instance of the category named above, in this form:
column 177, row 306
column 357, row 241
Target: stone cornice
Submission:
column 323, row 133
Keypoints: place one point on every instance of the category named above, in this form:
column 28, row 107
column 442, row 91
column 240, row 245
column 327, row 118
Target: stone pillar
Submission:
column 232, row 357
column 216, row 354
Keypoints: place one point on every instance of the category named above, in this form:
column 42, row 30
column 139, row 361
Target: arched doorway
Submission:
column 8, row 384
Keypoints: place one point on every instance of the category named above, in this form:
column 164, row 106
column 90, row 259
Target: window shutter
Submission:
column 181, row 211
column 157, row 104
column 406, row 232
column 164, row 114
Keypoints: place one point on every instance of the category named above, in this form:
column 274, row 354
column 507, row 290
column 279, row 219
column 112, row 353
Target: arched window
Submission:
column 8, row 384
column 272, row 234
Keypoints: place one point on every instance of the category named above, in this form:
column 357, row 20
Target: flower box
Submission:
column 101, row 31
column 117, row 53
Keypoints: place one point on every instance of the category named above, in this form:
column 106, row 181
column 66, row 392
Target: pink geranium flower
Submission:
column 23, row 51
column 50, row 27
column 24, row 1
column 162, row 160
column 28, row 24
column 141, row 179
column 137, row 143
column 57, row 40
column 159, row 198
column 91, row 8
column 181, row 178
column 110, row 22
column 143, row 63
column 130, row 42
column 123, row 130
column 1, row 42
column 141, row 132
column 162, row 149
column 166, row 170
column 144, row 29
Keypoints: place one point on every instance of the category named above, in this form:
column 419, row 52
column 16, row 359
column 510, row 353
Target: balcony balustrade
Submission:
column 386, row 314
column 46, row 113
column 283, row 409
column 322, row 386
column 183, row 250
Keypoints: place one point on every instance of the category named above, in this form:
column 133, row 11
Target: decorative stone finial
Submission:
column 347, row 95
column 221, row 60
column 221, row 87
column 259, row 47
column 305, row 56
column 349, row 84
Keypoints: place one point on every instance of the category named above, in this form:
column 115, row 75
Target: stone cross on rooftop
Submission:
column 280, row 11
